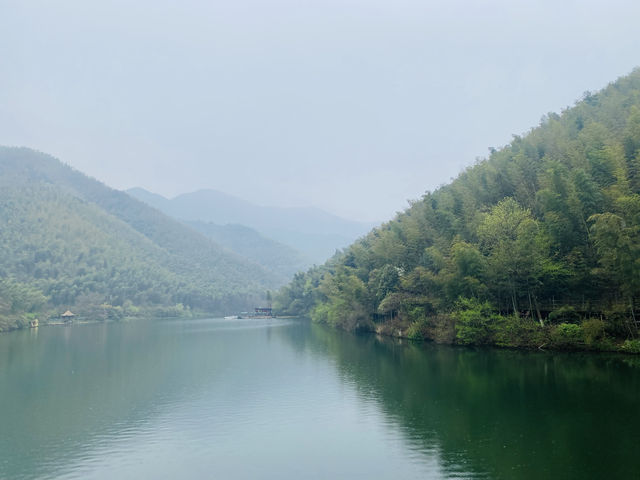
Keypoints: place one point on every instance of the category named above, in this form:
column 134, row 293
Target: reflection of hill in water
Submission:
column 74, row 381
column 502, row 413
column 99, row 397
column 70, row 393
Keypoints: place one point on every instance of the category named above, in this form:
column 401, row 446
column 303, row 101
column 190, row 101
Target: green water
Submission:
column 252, row 399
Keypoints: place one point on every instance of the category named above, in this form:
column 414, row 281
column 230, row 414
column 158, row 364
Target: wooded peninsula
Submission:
column 537, row 246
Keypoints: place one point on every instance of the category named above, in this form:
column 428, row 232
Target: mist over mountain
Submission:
column 69, row 241
column 278, row 258
column 312, row 231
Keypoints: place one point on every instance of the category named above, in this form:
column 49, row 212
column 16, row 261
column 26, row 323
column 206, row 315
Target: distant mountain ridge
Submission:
column 67, row 240
column 313, row 231
column 282, row 260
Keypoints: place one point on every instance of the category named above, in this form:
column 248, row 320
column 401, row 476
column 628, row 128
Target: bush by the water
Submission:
column 567, row 335
column 631, row 346
column 476, row 322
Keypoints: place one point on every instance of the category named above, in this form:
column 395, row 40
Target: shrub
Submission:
column 593, row 330
column 619, row 323
column 567, row 335
column 475, row 322
column 631, row 346
column 516, row 332
column 320, row 313
column 418, row 330
column 564, row 314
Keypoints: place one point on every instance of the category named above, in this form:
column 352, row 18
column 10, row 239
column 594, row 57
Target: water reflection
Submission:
column 285, row 399
column 502, row 413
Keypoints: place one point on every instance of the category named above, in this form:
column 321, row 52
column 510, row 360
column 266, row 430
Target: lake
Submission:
column 284, row 399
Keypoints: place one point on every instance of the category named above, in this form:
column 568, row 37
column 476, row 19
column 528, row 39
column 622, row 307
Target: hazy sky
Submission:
column 354, row 106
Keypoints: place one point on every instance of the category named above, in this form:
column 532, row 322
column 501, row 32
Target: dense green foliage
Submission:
column 68, row 241
column 535, row 245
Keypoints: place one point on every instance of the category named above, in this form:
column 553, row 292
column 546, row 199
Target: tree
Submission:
column 616, row 240
column 517, row 251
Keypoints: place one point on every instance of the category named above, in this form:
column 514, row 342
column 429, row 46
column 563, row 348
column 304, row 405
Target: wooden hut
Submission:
column 67, row 316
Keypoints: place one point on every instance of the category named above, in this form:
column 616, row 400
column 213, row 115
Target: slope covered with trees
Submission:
column 315, row 233
column 68, row 241
column 537, row 245
column 279, row 259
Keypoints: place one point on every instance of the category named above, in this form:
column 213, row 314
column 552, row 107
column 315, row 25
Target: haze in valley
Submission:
column 350, row 106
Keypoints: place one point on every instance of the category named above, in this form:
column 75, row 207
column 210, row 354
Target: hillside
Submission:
column 315, row 233
column 539, row 245
column 68, row 241
column 279, row 259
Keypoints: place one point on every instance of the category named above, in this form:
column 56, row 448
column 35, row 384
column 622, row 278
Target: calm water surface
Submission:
column 276, row 399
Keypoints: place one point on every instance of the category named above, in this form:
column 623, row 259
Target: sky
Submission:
column 353, row 106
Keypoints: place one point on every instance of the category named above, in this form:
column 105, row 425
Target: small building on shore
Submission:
column 67, row 316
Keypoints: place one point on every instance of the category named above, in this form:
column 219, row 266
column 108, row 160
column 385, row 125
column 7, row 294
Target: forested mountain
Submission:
column 68, row 241
column 283, row 261
column 537, row 245
column 315, row 233
column 280, row 259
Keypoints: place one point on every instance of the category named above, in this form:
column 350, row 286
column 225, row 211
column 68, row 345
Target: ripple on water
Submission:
column 209, row 399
